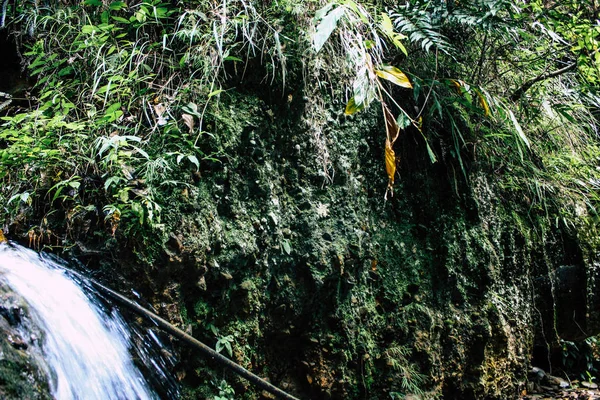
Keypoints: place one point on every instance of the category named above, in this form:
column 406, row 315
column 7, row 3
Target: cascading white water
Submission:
column 85, row 349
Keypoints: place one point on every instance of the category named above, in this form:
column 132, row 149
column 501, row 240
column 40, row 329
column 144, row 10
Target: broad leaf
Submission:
column 326, row 27
column 352, row 107
column 194, row 160
column 394, row 75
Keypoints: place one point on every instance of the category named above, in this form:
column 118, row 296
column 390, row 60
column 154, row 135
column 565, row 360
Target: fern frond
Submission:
column 420, row 27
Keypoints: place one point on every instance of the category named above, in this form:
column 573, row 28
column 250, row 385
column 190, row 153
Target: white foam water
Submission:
column 85, row 349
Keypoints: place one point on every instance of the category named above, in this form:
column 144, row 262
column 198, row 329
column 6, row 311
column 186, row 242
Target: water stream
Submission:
column 86, row 350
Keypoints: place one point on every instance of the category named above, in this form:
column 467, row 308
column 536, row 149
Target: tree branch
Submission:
column 527, row 85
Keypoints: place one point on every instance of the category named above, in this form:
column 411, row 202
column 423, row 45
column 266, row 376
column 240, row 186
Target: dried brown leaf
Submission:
column 391, row 126
column 188, row 120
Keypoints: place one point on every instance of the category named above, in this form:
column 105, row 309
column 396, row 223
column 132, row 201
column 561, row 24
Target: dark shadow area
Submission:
column 14, row 79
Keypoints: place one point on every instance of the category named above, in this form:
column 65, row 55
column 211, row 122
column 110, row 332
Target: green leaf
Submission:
column 215, row 92
column 386, row 25
column 192, row 108
column 194, row 160
column 57, row 193
column 519, row 129
column 88, row 29
column 120, row 19
column 286, row 246
column 110, row 181
column 326, row 27
column 94, row 3
column 117, row 5
column 387, row 28
column 229, row 349
column 352, row 107
column 394, row 75
column 432, row 156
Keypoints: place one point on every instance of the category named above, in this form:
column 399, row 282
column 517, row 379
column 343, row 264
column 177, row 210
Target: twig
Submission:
column 527, row 85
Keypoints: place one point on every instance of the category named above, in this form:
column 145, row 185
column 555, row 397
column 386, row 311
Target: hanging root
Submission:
column 3, row 16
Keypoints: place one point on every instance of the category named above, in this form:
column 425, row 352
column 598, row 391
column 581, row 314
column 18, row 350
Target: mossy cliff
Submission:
column 333, row 292
column 252, row 210
column 330, row 289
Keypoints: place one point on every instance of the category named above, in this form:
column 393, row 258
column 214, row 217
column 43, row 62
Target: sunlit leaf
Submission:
column 117, row 5
column 214, row 93
column 518, row 128
column 192, row 108
column 388, row 29
column 483, row 103
column 286, row 246
column 386, row 25
column 352, row 107
column 390, row 162
column 326, row 27
column 194, row 160
column 394, row 75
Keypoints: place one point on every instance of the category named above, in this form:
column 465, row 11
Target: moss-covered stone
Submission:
column 22, row 370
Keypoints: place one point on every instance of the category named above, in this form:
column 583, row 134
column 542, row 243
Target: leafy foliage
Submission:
column 127, row 92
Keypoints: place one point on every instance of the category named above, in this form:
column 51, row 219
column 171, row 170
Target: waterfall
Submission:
column 85, row 350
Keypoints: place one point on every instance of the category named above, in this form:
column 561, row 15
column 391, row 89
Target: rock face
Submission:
column 428, row 293
column 22, row 370
column 320, row 284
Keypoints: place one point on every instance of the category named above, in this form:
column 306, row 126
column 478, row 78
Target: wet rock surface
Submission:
column 543, row 386
column 21, row 366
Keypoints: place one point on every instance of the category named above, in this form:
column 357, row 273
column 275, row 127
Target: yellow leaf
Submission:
column 398, row 43
column 394, row 75
column 457, row 85
column 2, row 238
column 390, row 162
column 483, row 103
column 352, row 107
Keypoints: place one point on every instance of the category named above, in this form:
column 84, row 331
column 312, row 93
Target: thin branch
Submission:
column 527, row 85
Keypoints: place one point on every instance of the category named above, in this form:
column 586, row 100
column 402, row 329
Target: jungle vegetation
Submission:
column 127, row 95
